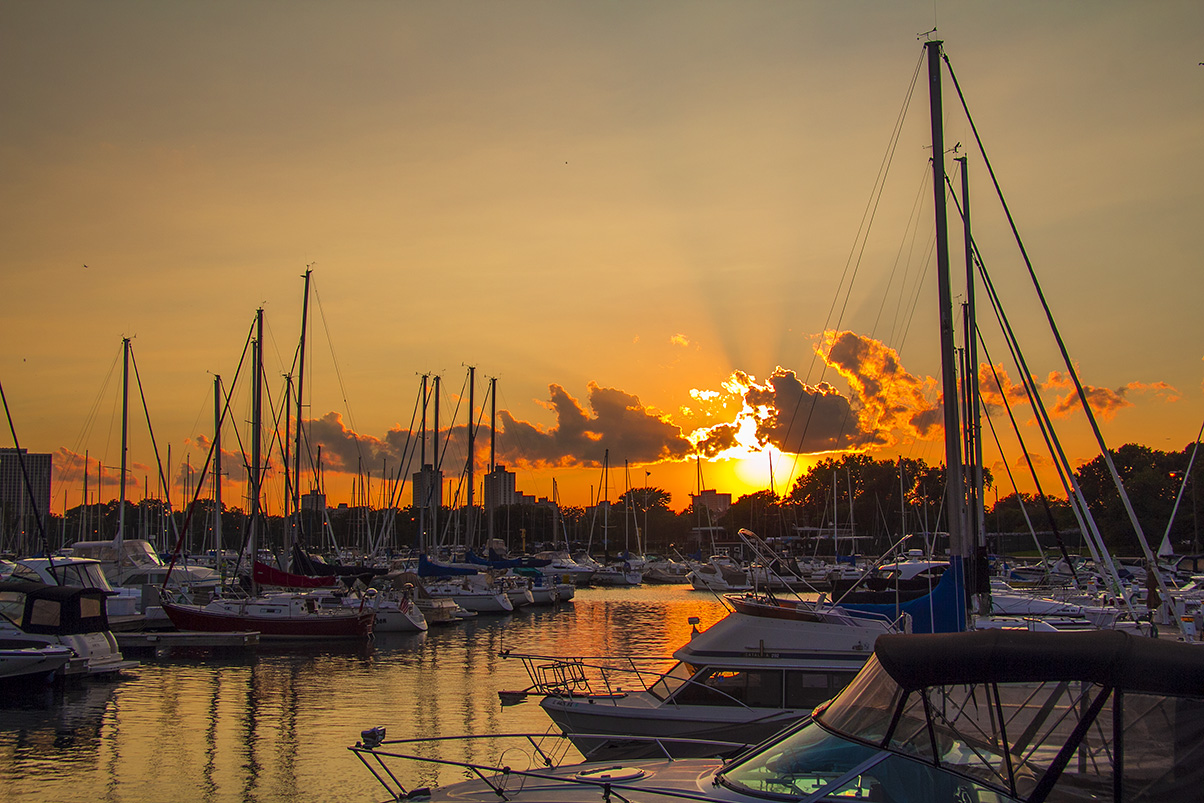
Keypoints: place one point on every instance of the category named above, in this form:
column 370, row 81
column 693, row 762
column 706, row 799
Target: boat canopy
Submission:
column 426, row 568
column 496, row 562
column 1111, row 658
column 54, row 610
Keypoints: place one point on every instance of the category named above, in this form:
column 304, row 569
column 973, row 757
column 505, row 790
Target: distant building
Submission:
column 427, row 488
column 499, row 488
column 314, row 500
column 14, row 497
column 713, row 502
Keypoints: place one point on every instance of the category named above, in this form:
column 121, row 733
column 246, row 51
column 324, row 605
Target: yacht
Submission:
column 121, row 604
column 37, row 614
column 741, row 680
column 995, row 716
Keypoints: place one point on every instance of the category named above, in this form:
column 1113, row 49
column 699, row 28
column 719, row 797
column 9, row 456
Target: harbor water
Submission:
column 274, row 725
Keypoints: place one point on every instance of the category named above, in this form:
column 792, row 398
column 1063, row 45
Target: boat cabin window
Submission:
column 12, row 606
column 1007, row 736
column 809, row 689
column 46, row 612
column 671, row 681
column 756, row 688
column 813, row 761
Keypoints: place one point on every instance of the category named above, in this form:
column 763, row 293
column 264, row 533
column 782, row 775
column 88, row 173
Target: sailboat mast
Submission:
column 955, row 493
column 974, row 424
column 300, row 386
column 256, row 423
column 217, row 466
column 438, row 460
column 125, row 434
column 492, row 451
column 470, row 530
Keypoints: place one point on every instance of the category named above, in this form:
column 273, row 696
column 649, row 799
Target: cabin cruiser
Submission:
column 719, row 573
column 133, row 563
column 741, row 680
column 473, row 589
column 993, row 716
column 564, row 569
column 83, row 573
column 21, row 662
column 37, row 614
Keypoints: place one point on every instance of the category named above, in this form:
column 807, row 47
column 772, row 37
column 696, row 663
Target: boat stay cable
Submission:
column 1071, row 370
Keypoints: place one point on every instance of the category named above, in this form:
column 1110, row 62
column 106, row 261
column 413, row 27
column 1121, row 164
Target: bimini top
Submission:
column 54, row 610
column 1108, row 657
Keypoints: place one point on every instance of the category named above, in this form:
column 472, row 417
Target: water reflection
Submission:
column 274, row 726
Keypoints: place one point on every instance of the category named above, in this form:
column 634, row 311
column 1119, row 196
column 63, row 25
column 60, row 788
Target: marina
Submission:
column 272, row 724
column 295, row 609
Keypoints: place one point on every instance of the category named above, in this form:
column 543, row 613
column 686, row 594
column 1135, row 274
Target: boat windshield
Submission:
column 671, row 681
column 984, row 742
column 87, row 575
column 815, row 764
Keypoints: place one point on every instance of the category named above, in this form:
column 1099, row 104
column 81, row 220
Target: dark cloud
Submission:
column 615, row 420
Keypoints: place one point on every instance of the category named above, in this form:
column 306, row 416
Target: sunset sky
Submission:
column 641, row 218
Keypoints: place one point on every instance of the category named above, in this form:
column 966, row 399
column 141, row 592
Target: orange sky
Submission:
column 641, row 218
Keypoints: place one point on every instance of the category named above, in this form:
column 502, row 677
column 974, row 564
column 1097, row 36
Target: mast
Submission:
column 256, row 423
column 300, row 386
column 217, row 466
column 83, row 525
column 955, row 494
column 125, row 434
column 976, row 513
column 492, row 500
column 469, row 529
column 438, row 465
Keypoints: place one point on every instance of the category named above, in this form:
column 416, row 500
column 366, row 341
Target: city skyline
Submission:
column 658, row 225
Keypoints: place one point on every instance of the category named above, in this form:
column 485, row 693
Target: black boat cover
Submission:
column 1108, row 657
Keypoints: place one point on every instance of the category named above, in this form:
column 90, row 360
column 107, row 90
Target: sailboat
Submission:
column 284, row 615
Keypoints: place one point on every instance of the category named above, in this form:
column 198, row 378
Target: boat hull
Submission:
column 351, row 625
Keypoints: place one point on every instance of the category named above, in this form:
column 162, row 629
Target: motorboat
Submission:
column 564, row 569
column 997, row 716
column 741, row 680
column 133, row 562
column 719, row 573
column 666, row 571
column 83, row 573
column 472, row 588
column 37, row 614
column 21, row 662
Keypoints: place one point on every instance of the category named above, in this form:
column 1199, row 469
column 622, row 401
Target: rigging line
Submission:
column 1074, row 495
column 1183, row 486
column 853, row 262
column 912, row 222
column 1073, row 373
column 90, row 420
column 337, row 371
column 1075, row 499
column 1032, row 469
column 151, row 431
column 37, row 514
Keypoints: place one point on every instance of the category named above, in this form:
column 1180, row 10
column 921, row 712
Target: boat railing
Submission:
column 590, row 676
column 603, row 682
column 549, row 751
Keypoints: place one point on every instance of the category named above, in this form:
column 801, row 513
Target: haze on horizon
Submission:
column 646, row 220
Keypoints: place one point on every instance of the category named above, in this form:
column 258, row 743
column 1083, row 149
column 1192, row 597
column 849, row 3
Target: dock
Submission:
column 167, row 642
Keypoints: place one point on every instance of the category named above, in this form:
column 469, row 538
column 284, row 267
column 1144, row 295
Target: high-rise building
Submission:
column 14, row 497
column 500, row 488
column 427, row 488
